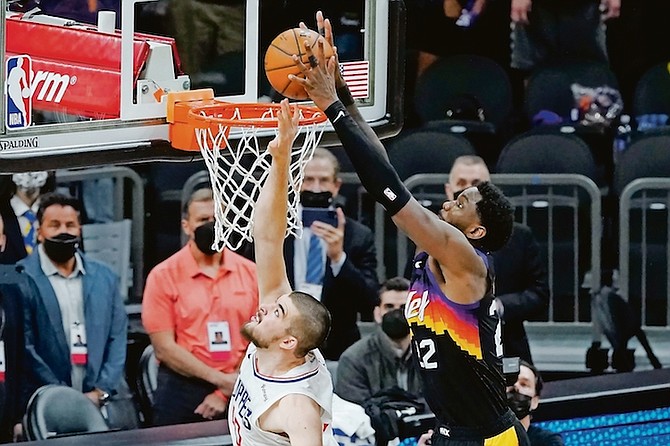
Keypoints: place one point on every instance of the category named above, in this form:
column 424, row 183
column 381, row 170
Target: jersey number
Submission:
column 426, row 349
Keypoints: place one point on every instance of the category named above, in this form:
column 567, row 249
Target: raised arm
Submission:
column 442, row 241
column 270, row 212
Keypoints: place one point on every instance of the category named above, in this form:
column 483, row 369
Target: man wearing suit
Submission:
column 77, row 297
column 521, row 277
column 347, row 281
column 19, row 196
column 14, row 285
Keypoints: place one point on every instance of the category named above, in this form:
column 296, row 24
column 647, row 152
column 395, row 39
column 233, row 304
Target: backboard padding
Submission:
column 143, row 54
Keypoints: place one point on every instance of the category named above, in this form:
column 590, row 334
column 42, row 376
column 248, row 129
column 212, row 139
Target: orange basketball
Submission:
column 279, row 62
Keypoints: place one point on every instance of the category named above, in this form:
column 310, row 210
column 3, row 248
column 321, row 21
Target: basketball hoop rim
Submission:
column 201, row 116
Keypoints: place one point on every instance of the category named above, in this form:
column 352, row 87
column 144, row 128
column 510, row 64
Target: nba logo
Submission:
column 18, row 92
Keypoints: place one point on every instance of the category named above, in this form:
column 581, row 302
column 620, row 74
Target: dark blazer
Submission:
column 15, row 249
column 521, row 286
column 48, row 354
column 353, row 291
column 15, row 286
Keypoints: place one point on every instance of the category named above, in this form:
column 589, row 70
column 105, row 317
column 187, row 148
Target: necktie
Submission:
column 28, row 231
column 314, row 261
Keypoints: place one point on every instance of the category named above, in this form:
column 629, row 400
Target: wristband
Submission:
column 221, row 395
column 345, row 96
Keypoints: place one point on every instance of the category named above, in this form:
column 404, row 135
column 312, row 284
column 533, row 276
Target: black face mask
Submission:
column 395, row 325
column 456, row 194
column 204, row 238
column 519, row 403
column 62, row 247
column 311, row 199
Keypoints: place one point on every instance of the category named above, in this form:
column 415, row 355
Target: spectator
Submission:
column 21, row 223
column 523, row 398
column 77, row 296
column 521, row 277
column 347, row 281
column 546, row 31
column 14, row 285
column 188, row 298
column 383, row 359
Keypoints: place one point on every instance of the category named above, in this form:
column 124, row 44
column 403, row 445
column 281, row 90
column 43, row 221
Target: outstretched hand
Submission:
column 319, row 78
column 325, row 28
column 280, row 146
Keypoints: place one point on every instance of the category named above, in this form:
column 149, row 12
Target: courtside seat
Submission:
column 147, row 382
column 55, row 410
column 468, row 95
column 652, row 91
column 543, row 151
column 426, row 151
column 550, row 88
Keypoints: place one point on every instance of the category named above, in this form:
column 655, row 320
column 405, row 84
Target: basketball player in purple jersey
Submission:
column 456, row 333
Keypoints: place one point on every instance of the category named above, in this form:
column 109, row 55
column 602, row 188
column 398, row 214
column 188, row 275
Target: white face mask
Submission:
column 30, row 180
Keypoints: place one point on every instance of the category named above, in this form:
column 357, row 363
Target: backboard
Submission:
column 88, row 87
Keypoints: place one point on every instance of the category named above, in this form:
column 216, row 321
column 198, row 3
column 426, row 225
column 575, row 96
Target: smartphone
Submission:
column 326, row 215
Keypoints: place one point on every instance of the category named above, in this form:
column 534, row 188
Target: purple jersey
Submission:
column 458, row 350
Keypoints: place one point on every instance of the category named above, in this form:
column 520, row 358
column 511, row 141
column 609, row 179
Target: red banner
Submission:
column 76, row 70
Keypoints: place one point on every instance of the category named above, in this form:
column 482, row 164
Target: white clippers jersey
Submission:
column 255, row 393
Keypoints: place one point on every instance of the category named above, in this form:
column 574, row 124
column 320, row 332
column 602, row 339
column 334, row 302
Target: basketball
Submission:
column 279, row 63
column 25, row 92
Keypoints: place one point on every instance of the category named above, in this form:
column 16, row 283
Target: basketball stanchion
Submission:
column 227, row 136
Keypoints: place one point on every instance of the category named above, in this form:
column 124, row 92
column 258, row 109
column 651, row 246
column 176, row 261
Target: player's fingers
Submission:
column 331, row 65
column 336, row 56
column 328, row 31
column 296, row 116
column 322, row 49
column 319, row 23
column 303, row 68
column 311, row 57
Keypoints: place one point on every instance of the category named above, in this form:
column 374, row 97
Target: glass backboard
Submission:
column 87, row 86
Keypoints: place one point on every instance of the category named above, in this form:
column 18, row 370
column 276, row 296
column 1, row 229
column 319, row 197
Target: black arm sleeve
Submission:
column 375, row 171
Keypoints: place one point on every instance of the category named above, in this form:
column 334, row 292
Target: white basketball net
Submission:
column 237, row 171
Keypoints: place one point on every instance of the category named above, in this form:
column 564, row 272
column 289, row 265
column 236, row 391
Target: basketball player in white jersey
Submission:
column 284, row 391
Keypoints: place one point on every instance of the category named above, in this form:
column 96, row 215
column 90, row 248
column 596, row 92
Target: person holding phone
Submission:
column 335, row 260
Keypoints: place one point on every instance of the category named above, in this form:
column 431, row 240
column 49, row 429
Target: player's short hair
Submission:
column 199, row 195
column 496, row 214
column 326, row 154
column 55, row 198
column 538, row 378
column 311, row 325
column 397, row 283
